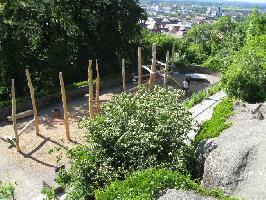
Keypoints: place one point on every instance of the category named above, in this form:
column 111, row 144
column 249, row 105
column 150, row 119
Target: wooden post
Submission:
column 153, row 67
column 173, row 53
column 166, row 74
column 63, row 92
column 91, row 108
column 14, row 118
column 98, row 88
column 124, row 74
column 35, row 112
column 139, row 66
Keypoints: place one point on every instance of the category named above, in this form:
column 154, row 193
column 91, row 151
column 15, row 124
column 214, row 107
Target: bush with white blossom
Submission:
column 134, row 131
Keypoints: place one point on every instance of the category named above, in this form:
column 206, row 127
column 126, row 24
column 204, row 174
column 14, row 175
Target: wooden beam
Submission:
column 21, row 115
column 63, row 92
column 166, row 70
column 35, row 111
column 91, row 108
column 98, row 88
column 27, row 125
column 124, row 74
column 14, row 119
column 139, row 66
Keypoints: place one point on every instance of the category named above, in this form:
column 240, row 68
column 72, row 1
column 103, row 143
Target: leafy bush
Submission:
column 134, row 132
column 148, row 184
column 213, row 127
column 246, row 77
column 7, row 192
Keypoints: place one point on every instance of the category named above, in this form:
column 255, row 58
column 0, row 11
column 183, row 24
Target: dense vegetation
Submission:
column 53, row 36
column 149, row 184
column 134, row 132
column 7, row 191
column 213, row 127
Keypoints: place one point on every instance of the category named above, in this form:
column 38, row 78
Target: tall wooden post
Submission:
column 35, row 112
column 139, row 66
column 63, row 92
column 14, row 118
column 173, row 53
column 166, row 70
column 91, row 108
column 153, row 67
column 98, row 88
column 124, row 74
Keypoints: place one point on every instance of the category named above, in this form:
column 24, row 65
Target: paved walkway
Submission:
column 203, row 111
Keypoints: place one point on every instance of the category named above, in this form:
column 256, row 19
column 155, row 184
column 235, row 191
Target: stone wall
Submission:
column 46, row 101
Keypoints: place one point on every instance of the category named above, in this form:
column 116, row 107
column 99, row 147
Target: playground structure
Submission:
column 153, row 72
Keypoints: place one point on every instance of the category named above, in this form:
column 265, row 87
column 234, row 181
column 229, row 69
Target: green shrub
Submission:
column 7, row 192
column 147, row 185
column 147, row 129
column 246, row 77
column 213, row 127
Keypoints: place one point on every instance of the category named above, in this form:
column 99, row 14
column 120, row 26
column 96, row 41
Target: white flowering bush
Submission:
column 147, row 129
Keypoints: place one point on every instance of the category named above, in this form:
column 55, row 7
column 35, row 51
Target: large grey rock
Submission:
column 202, row 152
column 238, row 163
column 173, row 194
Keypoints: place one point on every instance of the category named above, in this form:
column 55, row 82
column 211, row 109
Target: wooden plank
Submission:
column 21, row 115
column 166, row 73
column 25, row 127
column 91, row 108
column 124, row 74
column 14, row 119
column 161, row 63
column 35, row 112
column 63, row 92
column 139, row 66
column 147, row 68
column 98, row 88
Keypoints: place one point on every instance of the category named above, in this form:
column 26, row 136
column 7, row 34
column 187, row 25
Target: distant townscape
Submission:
column 176, row 18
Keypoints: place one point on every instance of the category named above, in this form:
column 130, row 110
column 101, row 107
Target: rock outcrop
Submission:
column 236, row 161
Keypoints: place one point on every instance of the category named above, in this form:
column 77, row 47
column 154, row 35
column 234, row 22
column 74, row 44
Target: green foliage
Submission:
column 201, row 95
column 220, row 61
column 7, row 192
column 213, row 127
column 163, row 42
column 147, row 184
column 147, row 129
column 246, row 77
column 61, row 36
column 255, row 24
column 49, row 193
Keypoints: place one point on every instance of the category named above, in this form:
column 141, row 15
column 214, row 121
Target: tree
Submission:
column 62, row 35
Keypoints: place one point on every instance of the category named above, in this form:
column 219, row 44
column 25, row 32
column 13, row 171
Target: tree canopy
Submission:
column 62, row 35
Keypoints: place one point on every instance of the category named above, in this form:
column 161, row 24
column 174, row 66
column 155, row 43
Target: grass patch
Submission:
column 147, row 184
column 202, row 95
column 7, row 191
column 213, row 127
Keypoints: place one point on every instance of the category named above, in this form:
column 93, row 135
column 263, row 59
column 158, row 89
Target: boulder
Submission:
column 173, row 194
column 237, row 165
column 203, row 150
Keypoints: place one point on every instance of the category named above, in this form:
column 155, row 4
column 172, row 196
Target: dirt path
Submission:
column 35, row 165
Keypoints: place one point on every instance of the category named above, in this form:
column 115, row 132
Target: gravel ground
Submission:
column 34, row 164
